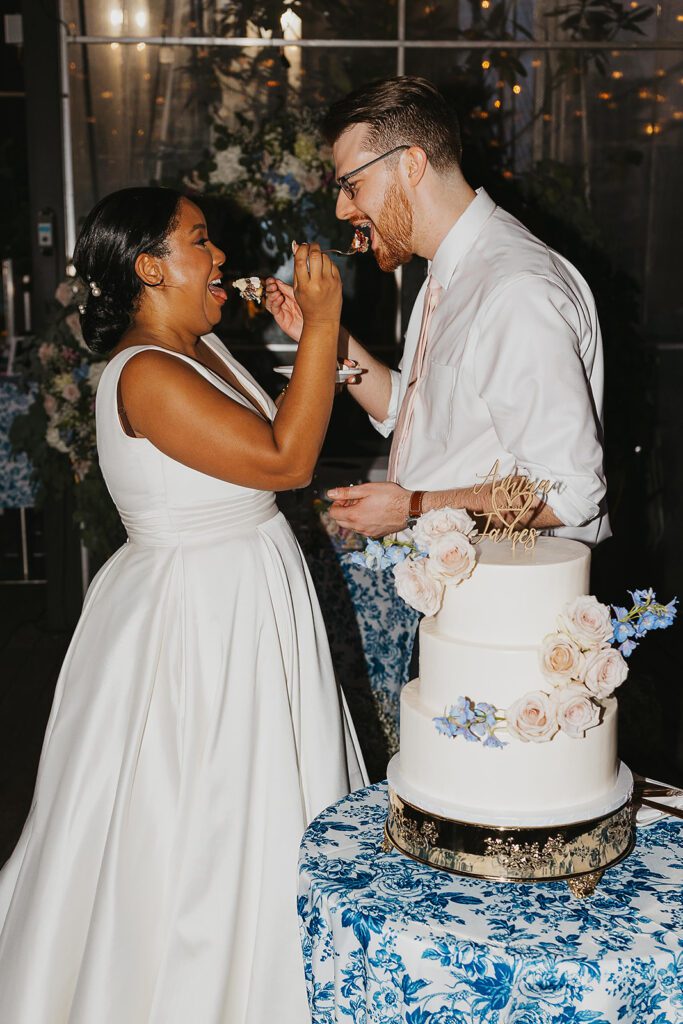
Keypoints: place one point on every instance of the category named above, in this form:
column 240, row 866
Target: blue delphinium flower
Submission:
column 627, row 648
column 645, row 615
column 446, row 726
column 493, row 742
column 378, row 555
column 396, row 553
column 474, row 723
column 622, row 630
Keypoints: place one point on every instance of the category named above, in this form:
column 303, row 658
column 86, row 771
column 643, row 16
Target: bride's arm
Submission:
column 190, row 420
column 372, row 388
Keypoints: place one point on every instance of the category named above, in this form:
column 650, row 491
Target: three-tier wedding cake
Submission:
column 508, row 764
column 488, row 648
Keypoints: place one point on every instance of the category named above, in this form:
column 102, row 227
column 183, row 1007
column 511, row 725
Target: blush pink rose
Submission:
column 451, row 558
column 588, row 622
column 532, row 718
column 605, row 670
column 434, row 524
column 417, row 588
column 561, row 659
column 576, row 712
column 71, row 392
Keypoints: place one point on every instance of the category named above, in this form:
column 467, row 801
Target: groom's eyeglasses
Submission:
column 347, row 187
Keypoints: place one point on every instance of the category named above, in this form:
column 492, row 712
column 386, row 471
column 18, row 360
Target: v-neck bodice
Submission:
column 262, row 402
column 158, row 498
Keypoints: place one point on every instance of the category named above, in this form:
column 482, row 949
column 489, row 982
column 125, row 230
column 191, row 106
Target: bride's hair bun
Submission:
column 116, row 231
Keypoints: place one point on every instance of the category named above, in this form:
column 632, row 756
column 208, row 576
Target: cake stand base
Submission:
column 578, row 852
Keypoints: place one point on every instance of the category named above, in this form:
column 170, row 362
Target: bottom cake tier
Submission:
column 560, row 781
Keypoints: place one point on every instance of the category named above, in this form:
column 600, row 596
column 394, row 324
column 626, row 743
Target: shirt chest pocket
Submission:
column 435, row 402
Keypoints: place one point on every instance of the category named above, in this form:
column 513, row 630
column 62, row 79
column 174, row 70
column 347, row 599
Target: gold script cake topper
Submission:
column 512, row 497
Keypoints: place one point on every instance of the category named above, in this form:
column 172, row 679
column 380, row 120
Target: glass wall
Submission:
column 572, row 115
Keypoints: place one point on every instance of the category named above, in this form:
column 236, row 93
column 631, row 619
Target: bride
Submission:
column 197, row 726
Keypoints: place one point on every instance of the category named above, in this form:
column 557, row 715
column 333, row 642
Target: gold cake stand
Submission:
column 579, row 852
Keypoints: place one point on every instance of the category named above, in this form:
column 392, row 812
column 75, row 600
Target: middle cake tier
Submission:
column 451, row 667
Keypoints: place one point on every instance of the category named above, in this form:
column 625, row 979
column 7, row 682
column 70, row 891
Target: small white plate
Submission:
column 648, row 815
column 343, row 373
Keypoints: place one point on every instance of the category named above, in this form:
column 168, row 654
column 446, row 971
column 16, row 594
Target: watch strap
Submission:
column 415, row 507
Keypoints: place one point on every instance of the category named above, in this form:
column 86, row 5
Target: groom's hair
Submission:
column 400, row 111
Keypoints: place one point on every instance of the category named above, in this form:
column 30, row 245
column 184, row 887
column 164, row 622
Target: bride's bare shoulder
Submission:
column 151, row 371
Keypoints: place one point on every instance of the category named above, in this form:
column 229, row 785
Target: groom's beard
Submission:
column 395, row 229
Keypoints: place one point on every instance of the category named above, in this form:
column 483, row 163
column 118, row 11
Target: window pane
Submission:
column 602, row 20
column 591, row 151
column 343, row 19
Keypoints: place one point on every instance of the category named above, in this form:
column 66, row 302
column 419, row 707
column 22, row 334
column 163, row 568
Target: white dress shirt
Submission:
column 513, row 371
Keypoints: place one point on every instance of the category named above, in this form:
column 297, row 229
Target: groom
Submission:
column 502, row 360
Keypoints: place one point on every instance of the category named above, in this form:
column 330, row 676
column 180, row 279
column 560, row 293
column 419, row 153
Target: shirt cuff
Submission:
column 386, row 426
column 572, row 508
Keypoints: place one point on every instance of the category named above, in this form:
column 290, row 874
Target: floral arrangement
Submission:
column 276, row 169
column 58, row 430
column 579, row 660
column 69, row 375
column 582, row 665
column 438, row 552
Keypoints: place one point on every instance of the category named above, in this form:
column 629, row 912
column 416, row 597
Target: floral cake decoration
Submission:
column 583, row 660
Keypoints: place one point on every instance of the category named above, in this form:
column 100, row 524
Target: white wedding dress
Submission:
column 196, row 729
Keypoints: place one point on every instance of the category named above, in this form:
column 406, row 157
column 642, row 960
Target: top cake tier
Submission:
column 513, row 597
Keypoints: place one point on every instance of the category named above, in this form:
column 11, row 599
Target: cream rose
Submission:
column 576, row 712
column 561, row 659
column 417, row 588
column 451, row 558
column 605, row 670
column 532, row 718
column 442, row 520
column 588, row 622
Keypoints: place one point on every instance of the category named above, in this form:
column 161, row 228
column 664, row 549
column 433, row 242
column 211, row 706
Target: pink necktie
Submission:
column 405, row 414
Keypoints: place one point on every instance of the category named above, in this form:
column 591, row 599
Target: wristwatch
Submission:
column 414, row 508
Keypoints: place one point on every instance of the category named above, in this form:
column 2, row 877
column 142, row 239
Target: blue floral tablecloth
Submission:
column 389, row 940
column 17, row 489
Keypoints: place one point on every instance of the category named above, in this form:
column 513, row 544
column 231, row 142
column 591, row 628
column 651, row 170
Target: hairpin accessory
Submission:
column 81, row 308
column 95, row 289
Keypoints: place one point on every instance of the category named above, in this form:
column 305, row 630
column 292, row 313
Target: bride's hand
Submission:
column 317, row 287
column 285, row 309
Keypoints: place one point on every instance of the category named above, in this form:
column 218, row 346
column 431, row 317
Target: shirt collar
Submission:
column 461, row 238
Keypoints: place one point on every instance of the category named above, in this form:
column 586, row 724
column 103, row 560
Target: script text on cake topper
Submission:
column 512, row 497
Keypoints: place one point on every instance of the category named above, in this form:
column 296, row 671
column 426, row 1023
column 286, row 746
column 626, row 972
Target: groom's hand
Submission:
column 285, row 309
column 372, row 509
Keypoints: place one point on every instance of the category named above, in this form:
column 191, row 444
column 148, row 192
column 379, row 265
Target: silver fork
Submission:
column 339, row 252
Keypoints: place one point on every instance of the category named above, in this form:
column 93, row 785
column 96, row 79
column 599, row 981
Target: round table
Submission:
column 386, row 939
